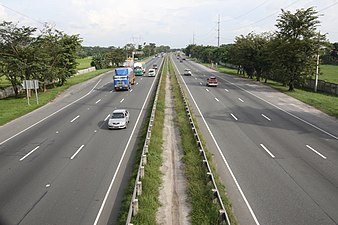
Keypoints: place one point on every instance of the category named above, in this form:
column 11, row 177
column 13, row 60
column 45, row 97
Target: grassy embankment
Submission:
column 83, row 64
column 11, row 108
column 203, row 210
column 324, row 102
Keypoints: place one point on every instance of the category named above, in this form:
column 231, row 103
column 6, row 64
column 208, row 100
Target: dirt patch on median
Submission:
column 173, row 198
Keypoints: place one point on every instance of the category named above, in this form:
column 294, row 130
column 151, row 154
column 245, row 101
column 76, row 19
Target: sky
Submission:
column 176, row 23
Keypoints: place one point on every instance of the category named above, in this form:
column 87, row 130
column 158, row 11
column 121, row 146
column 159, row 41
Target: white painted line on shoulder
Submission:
column 30, row 153
column 222, row 155
column 75, row 118
column 240, row 99
column 217, row 99
column 77, row 152
column 106, row 118
column 233, row 116
column 315, row 151
column 50, row 115
column 122, row 100
column 283, row 110
column 122, row 157
column 266, row 117
column 98, row 101
column 267, row 150
column 226, row 90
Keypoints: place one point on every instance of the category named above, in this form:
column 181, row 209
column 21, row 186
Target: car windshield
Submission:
column 117, row 115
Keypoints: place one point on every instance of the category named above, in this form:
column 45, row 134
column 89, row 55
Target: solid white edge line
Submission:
column 98, row 101
column 106, row 118
column 221, row 153
column 78, row 150
column 233, row 116
column 290, row 114
column 75, row 118
column 266, row 117
column 30, row 153
column 124, row 152
column 267, row 150
column 59, row 110
column 315, row 151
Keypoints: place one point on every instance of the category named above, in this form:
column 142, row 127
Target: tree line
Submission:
column 287, row 55
column 25, row 54
column 105, row 57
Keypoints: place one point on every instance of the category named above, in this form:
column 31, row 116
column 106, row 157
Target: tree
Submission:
column 296, row 45
column 17, row 55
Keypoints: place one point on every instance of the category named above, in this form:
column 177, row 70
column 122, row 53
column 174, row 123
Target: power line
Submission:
column 24, row 15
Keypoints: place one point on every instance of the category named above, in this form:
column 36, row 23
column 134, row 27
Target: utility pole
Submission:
column 218, row 30
column 193, row 38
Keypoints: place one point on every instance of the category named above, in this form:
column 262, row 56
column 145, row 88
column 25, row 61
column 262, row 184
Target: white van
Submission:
column 151, row 72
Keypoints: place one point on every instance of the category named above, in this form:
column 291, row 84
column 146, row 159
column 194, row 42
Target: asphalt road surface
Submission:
column 277, row 156
column 61, row 164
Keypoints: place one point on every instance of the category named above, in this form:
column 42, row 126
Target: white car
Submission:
column 118, row 119
column 187, row 72
column 151, row 72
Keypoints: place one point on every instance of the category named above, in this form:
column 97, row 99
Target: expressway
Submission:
column 277, row 157
column 61, row 165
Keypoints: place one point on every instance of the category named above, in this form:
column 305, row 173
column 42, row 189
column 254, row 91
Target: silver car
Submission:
column 118, row 119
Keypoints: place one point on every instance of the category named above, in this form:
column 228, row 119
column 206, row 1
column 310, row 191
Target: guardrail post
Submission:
column 139, row 188
column 135, row 207
column 223, row 217
column 214, row 195
column 146, row 149
column 144, row 159
column 141, row 171
column 209, row 176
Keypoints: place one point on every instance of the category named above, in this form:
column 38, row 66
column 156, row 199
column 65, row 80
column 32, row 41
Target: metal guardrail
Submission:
column 223, row 216
column 133, row 208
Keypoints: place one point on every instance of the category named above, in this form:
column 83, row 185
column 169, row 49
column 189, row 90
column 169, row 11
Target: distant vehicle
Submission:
column 119, row 119
column 187, row 72
column 212, row 81
column 155, row 66
column 181, row 60
column 139, row 68
column 123, row 78
column 151, row 72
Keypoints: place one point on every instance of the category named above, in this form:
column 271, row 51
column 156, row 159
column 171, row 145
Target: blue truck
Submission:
column 123, row 78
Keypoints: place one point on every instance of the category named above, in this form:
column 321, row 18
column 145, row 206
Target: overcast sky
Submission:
column 176, row 23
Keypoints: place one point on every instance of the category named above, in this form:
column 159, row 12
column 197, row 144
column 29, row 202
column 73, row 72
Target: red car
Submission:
column 212, row 81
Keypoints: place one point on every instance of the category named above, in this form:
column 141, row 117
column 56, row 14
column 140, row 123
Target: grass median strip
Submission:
column 203, row 210
column 12, row 108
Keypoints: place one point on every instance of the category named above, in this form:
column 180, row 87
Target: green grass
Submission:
column 324, row 102
column 12, row 108
column 203, row 211
column 329, row 73
column 83, row 63
column 222, row 69
column 151, row 182
column 4, row 82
